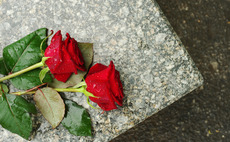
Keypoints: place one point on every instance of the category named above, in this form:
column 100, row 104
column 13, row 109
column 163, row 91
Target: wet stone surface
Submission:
column 155, row 68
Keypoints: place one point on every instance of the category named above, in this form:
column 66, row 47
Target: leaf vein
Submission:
column 35, row 34
column 47, row 101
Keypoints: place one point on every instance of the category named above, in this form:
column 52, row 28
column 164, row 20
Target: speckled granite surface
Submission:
column 155, row 68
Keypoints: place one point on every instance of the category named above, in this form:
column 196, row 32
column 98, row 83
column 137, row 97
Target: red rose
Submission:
column 104, row 83
column 65, row 57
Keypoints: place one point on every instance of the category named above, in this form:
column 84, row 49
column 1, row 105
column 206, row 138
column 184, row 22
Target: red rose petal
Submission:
column 54, row 52
column 65, row 57
column 102, row 75
column 67, row 40
column 67, row 65
column 62, row 77
column 105, row 101
column 75, row 54
column 104, row 82
column 96, row 68
column 116, row 86
column 107, row 106
column 76, row 51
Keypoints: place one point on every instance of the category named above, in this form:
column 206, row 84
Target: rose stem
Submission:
column 30, row 91
column 81, row 89
column 83, row 83
column 40, row 64
column 57, row 89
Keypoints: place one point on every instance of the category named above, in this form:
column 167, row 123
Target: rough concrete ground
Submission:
column 203, row 115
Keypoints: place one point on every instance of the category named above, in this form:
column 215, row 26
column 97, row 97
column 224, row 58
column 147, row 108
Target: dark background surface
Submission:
column 204, row 114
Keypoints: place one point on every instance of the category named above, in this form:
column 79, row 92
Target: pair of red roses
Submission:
column 102, row 81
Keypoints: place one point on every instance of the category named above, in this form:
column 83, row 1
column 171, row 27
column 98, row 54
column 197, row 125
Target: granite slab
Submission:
column 155, row 68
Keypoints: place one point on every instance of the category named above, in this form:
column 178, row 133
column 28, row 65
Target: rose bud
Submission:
column 104, row 83
column 65, row 57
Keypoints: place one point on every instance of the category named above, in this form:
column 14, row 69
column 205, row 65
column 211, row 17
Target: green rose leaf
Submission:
column 3, row 69
column 22, row 54
column 87, row 53
column 77, row 120
column 3, row 88
column 14, row 114
column 29, row 79
column 51, row 105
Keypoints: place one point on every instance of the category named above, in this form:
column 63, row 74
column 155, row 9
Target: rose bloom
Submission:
column 104, row 83
column 65, row 57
